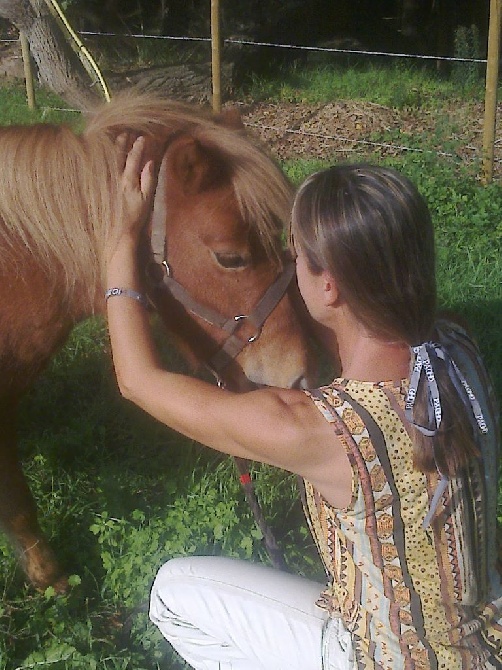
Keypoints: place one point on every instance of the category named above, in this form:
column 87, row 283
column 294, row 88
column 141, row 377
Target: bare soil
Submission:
column 350, row 130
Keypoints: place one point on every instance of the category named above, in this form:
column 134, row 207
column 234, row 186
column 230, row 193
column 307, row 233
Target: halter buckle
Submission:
column 244, row 317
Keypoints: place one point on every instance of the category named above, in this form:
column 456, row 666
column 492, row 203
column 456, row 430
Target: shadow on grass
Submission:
column 485, row 321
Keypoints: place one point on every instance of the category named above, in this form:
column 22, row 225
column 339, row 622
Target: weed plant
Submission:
column 119, row 494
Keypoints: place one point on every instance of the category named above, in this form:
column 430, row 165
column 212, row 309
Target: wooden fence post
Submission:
column 492, row 69
column 216, row 55
column 28, row 70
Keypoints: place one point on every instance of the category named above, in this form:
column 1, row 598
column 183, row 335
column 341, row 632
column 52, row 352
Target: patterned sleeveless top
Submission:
column 412, row 598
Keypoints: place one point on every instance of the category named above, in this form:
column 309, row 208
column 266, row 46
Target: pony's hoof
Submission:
column 42, row 569
column 61, row 585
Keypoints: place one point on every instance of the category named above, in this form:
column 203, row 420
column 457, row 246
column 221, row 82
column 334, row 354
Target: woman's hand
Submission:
column 135, row 195
column 136, row 188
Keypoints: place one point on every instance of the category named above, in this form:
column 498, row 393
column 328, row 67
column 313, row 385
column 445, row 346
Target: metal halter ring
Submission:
column 253, row 338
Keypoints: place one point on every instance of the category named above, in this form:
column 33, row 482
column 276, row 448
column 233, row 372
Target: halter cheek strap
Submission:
column 162, row 278
column 233, row 343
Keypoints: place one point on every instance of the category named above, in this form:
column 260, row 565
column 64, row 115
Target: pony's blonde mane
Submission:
column 58, row 188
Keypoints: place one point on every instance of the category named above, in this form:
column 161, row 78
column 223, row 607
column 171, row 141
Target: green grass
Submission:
column 132, row 53
column 49, row 108
column 396, row 84
column 119, row 494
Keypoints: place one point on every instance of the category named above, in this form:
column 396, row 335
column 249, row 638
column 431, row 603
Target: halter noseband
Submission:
column 233, row 344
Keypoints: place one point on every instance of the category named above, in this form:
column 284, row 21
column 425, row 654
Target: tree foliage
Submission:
column 419, row 23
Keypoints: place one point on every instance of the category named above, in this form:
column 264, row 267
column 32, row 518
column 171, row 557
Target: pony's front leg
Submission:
column 18, row 514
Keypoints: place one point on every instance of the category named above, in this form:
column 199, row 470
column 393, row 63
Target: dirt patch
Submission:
column 319, row 131
column 11, row 61
column 352, row 130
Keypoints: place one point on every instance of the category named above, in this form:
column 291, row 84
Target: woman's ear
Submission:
column 330, row 288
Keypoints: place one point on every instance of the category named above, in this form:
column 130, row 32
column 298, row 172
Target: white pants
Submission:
column 225, row 614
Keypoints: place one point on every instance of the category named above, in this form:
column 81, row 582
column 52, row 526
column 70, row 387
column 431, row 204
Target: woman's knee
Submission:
column 181, row 580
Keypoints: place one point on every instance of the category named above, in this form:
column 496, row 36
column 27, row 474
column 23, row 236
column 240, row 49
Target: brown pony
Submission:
column 221, row 204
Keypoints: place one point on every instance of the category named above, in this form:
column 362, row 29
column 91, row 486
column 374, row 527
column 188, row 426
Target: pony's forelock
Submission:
column 262, row 192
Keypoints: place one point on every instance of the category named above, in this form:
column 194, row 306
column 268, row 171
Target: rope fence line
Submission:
column 360, row 52
column 351, row 140
column 368, row 143
column 335, row 138
column 319, row 136
column 297, row 47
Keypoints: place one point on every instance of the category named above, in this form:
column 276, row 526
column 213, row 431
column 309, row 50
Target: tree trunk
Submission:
column 59, row 67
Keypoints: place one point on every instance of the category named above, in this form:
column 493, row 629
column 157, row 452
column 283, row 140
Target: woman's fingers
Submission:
column 140, row 173
column 148, row 181
column 137, row 188
column 134, row 161
column 123, row 144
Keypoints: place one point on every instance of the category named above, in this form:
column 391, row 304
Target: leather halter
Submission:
column 233, row 344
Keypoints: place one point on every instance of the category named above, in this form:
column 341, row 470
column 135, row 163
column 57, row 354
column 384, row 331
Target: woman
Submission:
column 399, row 455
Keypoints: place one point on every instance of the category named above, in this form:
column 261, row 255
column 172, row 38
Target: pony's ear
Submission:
column 192, row 166
column 231, row 118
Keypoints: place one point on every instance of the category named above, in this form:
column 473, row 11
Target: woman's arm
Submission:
column 276, row 426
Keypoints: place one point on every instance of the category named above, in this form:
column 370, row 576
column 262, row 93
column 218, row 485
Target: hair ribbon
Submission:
column 423, row 368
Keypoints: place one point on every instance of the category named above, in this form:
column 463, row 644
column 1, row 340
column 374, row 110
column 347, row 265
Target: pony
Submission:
column 213, row 262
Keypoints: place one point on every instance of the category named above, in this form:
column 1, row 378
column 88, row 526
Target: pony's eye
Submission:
column 231, row 261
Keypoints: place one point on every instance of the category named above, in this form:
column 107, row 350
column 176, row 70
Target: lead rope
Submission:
column 271, row 546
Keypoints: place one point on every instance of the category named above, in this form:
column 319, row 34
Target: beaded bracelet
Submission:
column 129, row 293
